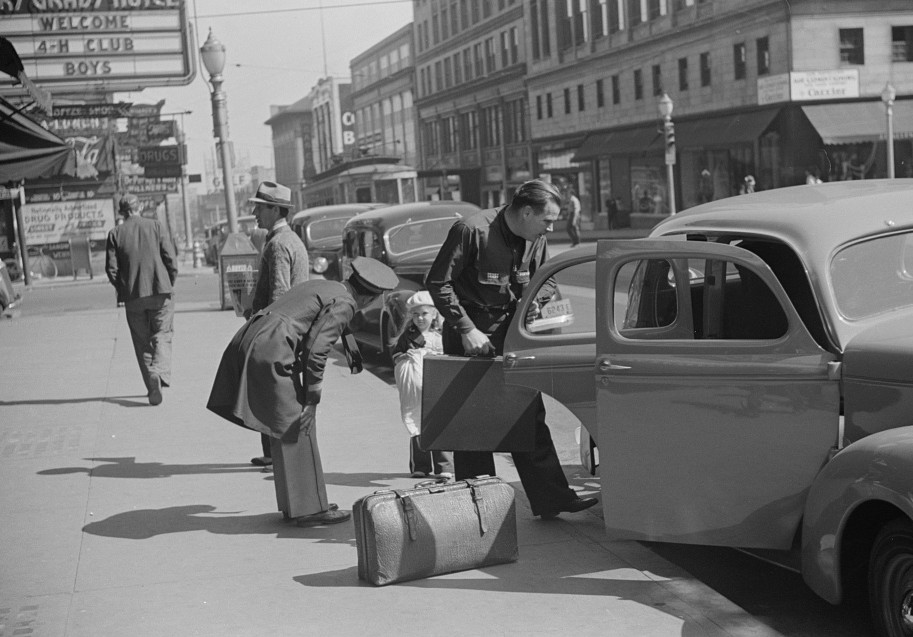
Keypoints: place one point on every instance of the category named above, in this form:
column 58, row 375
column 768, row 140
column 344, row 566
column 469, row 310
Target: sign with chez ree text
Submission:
column 99, row 45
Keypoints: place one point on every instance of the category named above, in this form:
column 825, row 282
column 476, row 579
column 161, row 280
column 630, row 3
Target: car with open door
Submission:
column 746, row 374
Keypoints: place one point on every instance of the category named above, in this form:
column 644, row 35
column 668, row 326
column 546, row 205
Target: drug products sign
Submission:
column 58, row 221
column 99, row 45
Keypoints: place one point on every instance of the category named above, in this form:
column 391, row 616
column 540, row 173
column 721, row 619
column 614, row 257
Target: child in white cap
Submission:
column 421, row 337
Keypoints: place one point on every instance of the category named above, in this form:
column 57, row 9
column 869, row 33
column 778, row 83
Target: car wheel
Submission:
column 891, row 580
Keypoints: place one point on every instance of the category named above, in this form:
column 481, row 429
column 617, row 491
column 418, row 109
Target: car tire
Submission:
column 891, row 579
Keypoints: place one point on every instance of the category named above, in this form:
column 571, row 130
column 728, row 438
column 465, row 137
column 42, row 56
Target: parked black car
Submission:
column 406, row 237
column 320, row 228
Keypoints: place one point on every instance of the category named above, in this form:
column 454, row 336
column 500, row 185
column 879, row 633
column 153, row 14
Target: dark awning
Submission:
column 738, row 128
column 27, row 151
column 859, row 121
column 626, row 142
column 712, row 131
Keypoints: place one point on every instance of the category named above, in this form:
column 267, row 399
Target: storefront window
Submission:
column 705, row 176
column 648, row 188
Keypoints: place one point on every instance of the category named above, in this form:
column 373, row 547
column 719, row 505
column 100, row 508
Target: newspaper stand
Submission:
column 81, row 256
column 239, row 265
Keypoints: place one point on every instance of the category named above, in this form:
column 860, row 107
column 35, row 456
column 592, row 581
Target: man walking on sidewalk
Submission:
column 283, row 261
column 141, row 265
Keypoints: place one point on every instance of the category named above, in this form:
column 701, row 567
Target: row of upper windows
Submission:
column 384, row 66
column 580, row 21
column 852, row 45
column 450, row 17
column 544, row 102
column 471, row 63
column 486, row 127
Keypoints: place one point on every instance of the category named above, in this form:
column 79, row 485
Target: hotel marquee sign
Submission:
column 99, row 45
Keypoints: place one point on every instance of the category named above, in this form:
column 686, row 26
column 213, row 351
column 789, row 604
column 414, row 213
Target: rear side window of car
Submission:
column 697, row 299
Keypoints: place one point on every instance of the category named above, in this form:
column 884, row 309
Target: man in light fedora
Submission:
column 283, row 261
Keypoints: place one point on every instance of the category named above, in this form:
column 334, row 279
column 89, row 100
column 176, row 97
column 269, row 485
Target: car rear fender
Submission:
column 864, row 485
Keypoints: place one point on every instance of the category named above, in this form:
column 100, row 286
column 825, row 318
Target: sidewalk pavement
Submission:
column 125, row 519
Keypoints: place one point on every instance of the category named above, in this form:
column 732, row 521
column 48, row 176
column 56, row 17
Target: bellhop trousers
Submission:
column 298, row 475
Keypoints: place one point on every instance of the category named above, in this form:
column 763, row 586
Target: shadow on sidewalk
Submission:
column 144, row 524
column 128, row 467
column 124, row 401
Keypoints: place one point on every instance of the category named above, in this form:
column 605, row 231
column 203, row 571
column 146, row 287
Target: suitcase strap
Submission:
column 478, row 502
column 409, row 511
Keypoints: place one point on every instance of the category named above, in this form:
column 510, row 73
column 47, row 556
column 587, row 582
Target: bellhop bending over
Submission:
column 271, row 377
column 481, row 271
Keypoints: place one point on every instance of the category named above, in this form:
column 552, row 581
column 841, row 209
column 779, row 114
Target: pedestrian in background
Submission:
column 140, row 264
column 747, row 185
column 573, row 217
column 479, row 274
column 270, row 380
column 421, row 337
column 283, row 260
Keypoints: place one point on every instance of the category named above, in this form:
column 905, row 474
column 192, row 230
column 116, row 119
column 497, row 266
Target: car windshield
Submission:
column 323, row 229
column 415, row 235
column 873, row 277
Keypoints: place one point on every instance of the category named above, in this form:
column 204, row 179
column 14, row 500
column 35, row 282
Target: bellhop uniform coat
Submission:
column 259, row 381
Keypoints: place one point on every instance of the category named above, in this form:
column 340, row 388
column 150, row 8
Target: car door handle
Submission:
column 511, row 359
column 607, row 366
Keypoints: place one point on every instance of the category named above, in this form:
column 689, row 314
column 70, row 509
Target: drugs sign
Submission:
column 99, row 45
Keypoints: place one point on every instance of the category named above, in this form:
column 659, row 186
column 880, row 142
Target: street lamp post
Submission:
column 213, row 54
column 665, row 109
column 887, row 96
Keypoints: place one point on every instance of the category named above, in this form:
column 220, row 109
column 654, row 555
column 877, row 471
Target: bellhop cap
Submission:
column 272, row 194
column 372, row 275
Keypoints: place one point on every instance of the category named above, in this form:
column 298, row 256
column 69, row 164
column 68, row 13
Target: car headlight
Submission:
column 320, row 265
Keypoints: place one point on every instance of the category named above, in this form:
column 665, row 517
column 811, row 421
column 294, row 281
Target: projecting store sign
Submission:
column 99, row 45
column 808, row 86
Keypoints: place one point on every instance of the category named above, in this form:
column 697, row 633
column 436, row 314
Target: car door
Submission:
column 716, row 408
column 553, row 349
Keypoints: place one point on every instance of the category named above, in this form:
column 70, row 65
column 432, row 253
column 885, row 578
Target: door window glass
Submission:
column 566, row 303
column 695, row 299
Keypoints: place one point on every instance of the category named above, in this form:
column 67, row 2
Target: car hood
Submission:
column 882, row 351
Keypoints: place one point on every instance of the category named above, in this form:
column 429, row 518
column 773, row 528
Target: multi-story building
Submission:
column 767, row 88
column 292, row 153
column 382, row 98
column 472, row 98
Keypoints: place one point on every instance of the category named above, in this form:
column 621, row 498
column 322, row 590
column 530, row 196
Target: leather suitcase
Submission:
column 434, row 529
column 466, row 406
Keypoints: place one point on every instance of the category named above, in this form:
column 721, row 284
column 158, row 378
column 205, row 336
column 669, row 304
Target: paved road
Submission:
column 775, row 598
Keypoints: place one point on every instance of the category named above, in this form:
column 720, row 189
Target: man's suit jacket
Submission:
column 140, row 260
column 283, row 265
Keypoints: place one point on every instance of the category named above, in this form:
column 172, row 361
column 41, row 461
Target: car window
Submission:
column 326, row 229
column 695, row 299
column 566, row 302
column 873, row 277
column 418, row 234
column 363, row 243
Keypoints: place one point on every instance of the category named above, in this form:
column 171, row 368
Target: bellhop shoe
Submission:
column 332, row 516
column 572, row 506
column 155, row 389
